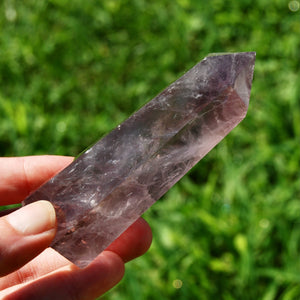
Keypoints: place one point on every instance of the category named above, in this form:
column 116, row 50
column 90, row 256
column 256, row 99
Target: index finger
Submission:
column 19, row 176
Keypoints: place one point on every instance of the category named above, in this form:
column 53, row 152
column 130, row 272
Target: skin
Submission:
column 29, row 269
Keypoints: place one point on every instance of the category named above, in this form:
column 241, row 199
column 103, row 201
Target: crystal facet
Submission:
column 110, row 185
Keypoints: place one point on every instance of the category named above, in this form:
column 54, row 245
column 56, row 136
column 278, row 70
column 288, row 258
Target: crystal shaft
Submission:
column 110, row 185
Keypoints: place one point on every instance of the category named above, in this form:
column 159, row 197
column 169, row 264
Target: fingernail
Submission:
column 34, row 218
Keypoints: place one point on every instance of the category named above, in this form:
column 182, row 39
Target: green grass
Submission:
column 72, row 71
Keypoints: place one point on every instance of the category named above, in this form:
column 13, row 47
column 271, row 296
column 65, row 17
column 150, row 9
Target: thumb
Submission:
column 24, row 234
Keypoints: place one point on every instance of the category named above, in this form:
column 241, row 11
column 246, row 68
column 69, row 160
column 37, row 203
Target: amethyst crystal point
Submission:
column 110, row 185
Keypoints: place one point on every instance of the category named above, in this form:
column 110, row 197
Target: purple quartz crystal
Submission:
column 111, row 184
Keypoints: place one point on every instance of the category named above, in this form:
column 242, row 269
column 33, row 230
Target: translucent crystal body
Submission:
column 110, row 185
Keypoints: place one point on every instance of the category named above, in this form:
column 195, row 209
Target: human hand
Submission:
column 32, row 271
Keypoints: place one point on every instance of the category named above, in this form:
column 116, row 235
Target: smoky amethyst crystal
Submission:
column 111, row 184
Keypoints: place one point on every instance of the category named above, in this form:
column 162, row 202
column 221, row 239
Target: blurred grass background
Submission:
column 70, row 71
